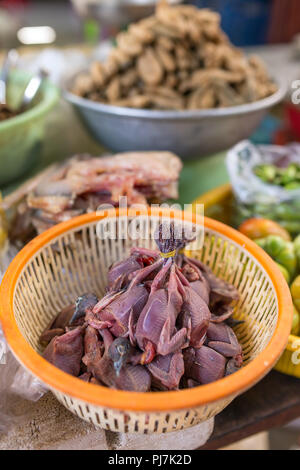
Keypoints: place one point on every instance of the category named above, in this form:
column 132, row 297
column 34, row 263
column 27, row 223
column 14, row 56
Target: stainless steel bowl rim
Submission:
column 178, row 115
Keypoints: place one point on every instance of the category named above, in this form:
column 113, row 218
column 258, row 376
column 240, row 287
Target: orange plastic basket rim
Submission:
column 149, row 401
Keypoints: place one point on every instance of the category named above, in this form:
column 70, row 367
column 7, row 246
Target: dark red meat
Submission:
column 166, row 371
column 65, row 352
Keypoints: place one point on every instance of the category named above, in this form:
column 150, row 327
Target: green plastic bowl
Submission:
column 21, row 137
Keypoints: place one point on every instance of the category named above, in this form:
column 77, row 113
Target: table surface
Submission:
column 273, row 402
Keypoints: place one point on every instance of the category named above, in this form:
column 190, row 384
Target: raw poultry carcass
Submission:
column 82, row 183
column 163, row 324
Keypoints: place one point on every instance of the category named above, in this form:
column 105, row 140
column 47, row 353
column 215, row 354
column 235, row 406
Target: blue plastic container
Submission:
column 246, row 22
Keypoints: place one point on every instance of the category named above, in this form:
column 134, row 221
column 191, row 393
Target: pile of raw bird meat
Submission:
column 164, row 324
column 177, row 59
column 82, row 183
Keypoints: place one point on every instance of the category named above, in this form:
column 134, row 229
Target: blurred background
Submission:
column 62, row 36
column 247, row 22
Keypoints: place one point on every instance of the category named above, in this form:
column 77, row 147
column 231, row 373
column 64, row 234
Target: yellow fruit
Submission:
column 296, row 322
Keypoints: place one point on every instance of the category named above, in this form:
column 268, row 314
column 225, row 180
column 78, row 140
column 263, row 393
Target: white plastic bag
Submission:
column 255, row 198
column 247, row 187
column 14, row 379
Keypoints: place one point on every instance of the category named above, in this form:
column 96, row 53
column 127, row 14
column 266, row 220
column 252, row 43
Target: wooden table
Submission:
column 270, row 404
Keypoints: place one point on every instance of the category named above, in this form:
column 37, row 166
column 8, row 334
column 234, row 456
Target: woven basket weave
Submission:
column 70, row 259
column 218, row 204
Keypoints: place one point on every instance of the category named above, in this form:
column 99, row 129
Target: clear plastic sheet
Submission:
column 14, row 379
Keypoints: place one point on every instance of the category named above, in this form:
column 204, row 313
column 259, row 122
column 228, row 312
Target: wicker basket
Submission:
column 70, row 259
column 217, row 204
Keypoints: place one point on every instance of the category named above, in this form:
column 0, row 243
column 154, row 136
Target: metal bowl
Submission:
column 190, row 134
column 116, row 13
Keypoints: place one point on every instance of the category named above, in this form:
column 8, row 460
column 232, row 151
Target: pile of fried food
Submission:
column 177, row 59
column 164, row 324
column 83, row 183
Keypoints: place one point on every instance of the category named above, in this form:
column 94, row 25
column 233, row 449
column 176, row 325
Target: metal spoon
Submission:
column 32, row 89
column 30, row 93
column 9, row 61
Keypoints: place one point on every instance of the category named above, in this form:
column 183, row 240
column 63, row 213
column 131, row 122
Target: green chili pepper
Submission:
column 266, row 172
column 286, row 212
column 286, row 177
column 291, row 226
column 289, row 174
column 292, row 185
